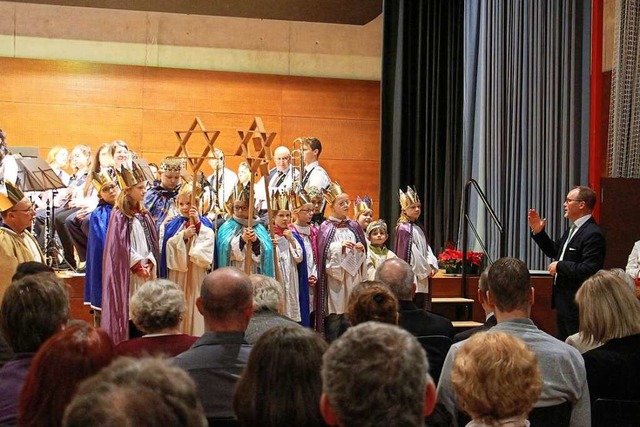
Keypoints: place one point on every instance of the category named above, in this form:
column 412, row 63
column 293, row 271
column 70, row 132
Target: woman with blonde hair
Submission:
column 610, row 314
column 496, row 379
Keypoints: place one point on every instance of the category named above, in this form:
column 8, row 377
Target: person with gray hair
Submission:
column 217, row 358
column 136, row 392
column 157, row 308
column 376, row 374
column 267, row 307
column 398, row 275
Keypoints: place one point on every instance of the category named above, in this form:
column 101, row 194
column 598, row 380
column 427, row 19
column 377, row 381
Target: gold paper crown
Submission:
column 239, row 193
column 300, row 198
column 100, row 179
column 409, row 198
column 10, row 195
column 188, row 189
column 375, row 225
column 280, row 201
column 130, row 177
column 171, row 164
column 362, row 205
column 333, row 191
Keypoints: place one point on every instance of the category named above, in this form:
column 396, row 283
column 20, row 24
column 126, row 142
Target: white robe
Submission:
column 187, row 264
column 236, row 258
column 312, row 268
column 141, row 252
column 374, row 260
column 289, row 256
column 339, row 282
column 423, row 261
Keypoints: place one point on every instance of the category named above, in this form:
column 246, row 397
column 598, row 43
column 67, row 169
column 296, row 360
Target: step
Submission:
column 465, row 324
column 456, row 300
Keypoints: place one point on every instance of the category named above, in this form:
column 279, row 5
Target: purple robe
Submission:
column 116, row 273
column 404, row 239
column 325, row 237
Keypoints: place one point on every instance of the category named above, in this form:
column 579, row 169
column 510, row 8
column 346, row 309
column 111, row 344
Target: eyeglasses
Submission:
column 306, row 210
column 31, row 208
column 344, row 204
column 567, row 200
column 240, row 208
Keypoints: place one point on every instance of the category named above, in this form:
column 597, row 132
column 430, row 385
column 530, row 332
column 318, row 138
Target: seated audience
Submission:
column 610, row 314
column 216, row 359
column 633, row 263
column 561, row 366
column 286, row 361
column 372, row 301
column 157, row 309
column 136, row 392
column 33, row 309
column 64, row 360
column 490, row 317
column 496, row 379
column 268, row 305
column 376, row 375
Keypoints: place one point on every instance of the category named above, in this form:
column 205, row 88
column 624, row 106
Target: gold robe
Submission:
column 13, row 251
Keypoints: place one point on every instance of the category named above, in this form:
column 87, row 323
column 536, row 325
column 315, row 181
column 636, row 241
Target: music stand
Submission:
column 37, row 175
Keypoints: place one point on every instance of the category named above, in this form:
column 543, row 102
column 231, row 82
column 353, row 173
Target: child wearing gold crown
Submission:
column 159, row 200
column 235, row 234
column 131, row 252
column 412, row 246
column 341, row 266
column 108, row 191
column 377, row 253
column 289, row 253
column 187, row 251
column 363, row 212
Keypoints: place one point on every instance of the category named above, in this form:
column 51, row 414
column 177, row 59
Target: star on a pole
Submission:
column 210, row 136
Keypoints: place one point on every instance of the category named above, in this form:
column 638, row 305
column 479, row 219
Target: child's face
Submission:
column 317, row 204
column 340, row 206
column 304, row 214
column 184, row 204
column 378, row 237
column 169, row 180
column 413, row 211
column 109, row 193
column 241, row 209
column 364, row 219
column 136, row 193
column 282, row 219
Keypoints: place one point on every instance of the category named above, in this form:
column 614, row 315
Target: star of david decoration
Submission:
column 257, row 154
column 210, row 136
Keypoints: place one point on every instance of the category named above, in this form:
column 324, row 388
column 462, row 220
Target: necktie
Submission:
column 281, row 177
column 572, row 230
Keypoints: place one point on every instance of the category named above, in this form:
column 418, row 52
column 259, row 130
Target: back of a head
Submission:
column 29, row 268
column 156, row 305
column 286, row 361
column 376, row 374
column 495, row 376
column 509, row 284
column 267, row 293
column 137, row 392
column 608, row 308
column 33, row 309
column 225, row 293
column 63, row 361
column 398, row 275
column 374, row 302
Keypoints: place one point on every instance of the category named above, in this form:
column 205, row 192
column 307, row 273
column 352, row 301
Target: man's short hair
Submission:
column 483, row 280
column 376, row 374
column 225, row 300
column 30, row 267
column 137, row 392
column 587, row 195
column 267, row 293
column 313, row 143
column 509, row 284
column 33, row 309
column 398, row 275
column 156, row 305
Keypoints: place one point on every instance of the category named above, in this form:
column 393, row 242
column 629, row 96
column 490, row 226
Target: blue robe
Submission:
column 232, row 228
column 169, row 231
column 303, row 287
column 98, row 222
column 158, row 200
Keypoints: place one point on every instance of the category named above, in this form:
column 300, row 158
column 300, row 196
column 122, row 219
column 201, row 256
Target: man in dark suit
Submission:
column 398, row 275
column 490, row 317
column 578, row 254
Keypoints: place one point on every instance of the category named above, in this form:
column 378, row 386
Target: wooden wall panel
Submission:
column 47, row 103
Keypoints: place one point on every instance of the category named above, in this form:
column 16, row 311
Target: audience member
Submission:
column 490, row 317
column 376, row 375
column 136, row 393
column 215, row 361
column 633, row 263
column 561, row 365
column 496, row 379
column 372, row 301
column 33, row 309
column 267, row 307
column 398, row 275
column 157, row 308
column 30, row 268
column 610, row 314
column 64, row 360
column 286, row 361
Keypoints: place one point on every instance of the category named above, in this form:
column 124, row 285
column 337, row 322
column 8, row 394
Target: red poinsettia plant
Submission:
column 451, row 259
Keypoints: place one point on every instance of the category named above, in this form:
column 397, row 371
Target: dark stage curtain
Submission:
column 422, row 95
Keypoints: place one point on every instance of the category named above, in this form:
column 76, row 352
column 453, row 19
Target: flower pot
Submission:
column 453, row 270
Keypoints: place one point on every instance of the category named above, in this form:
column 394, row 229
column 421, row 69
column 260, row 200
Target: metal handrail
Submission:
column 467, row 222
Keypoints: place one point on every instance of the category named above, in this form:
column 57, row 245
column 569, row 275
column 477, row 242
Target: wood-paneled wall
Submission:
column 46, row 103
